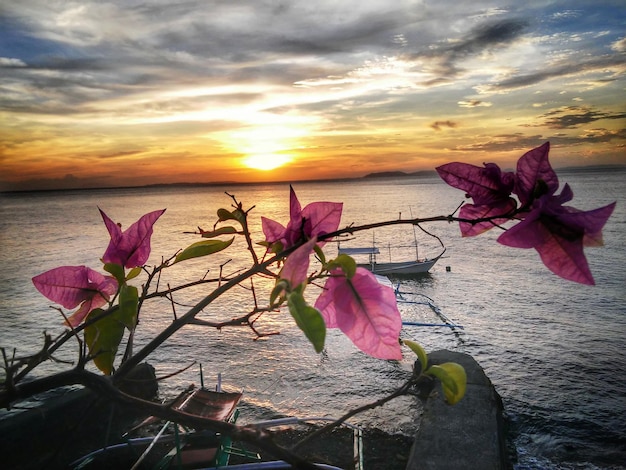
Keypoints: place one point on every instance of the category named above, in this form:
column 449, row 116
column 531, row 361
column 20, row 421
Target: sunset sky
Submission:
column 97, row 93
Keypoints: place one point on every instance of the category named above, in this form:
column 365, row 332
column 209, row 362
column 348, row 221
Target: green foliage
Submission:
column 228, row 230
column 117, row 271
column 129, row 302
column 419, row 352
column 453, row 380
column 203, row 248
column 346, row 263
column 103, row 338
column 238, row 215
column 320, row 254
column 281, row 286
column 308, row 319
column 133, row 273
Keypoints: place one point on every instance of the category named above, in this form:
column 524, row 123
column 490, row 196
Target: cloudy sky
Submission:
column 97, row 93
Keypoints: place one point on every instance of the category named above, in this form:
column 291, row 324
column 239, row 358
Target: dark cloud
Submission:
column 575, row 116
column 549, row 73
column 522, row 142
column 488, row 36
column 444, row 58
column 437, row 125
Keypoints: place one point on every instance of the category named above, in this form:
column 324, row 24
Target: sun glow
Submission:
column 266, row 161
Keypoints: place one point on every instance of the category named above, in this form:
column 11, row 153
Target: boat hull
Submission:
column 407, row 267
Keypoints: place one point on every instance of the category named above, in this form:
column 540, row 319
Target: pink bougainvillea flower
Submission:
column 130, row 248
column 71, row 286
column 364, row 310
column 559, row 233
column 490, row 190
column 316, row 219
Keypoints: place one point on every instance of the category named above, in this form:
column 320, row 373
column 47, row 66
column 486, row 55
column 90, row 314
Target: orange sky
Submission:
column 108, row 95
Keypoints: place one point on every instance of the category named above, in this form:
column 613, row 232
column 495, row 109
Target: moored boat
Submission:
column 411, row 267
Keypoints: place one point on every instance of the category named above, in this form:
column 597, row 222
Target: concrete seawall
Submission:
column 469, row 435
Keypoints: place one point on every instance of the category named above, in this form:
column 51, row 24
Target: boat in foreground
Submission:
column 206, row 450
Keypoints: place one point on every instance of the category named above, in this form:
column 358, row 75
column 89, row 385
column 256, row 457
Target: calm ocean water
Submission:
column 554, row 350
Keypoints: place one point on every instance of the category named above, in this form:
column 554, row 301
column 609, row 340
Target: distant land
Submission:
column 401, row 174
column 381, row 175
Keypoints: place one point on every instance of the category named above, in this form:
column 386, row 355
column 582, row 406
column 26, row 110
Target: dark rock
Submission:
column 470, row 434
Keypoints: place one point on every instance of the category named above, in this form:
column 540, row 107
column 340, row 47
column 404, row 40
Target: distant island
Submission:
column 400, row 174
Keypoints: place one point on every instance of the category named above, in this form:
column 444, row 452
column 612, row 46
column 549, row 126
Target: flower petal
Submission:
column 475, row 212
column 365, row 311
column 296, row 266
column 321, row 218
column 532, row 167
column 485, row 185
column 71, row 286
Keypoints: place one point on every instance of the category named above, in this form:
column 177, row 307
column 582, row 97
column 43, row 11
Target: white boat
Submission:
column 417, row 266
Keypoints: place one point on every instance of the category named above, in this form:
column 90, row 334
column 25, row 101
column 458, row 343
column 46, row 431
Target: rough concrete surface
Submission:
column 468, row 435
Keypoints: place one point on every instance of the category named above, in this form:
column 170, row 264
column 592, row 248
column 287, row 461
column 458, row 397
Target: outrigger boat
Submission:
column 391, row 268
column 417, row 266
column 206, row 450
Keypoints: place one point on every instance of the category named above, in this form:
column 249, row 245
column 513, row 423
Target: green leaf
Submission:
column 203, row 248
column 129, row 302
column 346, row 263
column 453, row 380
column 237, row 214
column 308, row 319
column 225, row 214
column 320, row 254
column 117, row 271
column 133, row 273
column 220, row 231
column 281, row 286
column 419, row 352
column 103, row 338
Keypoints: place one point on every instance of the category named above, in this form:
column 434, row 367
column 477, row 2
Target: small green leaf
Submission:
column 237, row 214
column 320, row 254
column 308, row 319
column 453, row 380
column 129, row 302
column 117, row 271
column 281, row 286
column 346, row 263
column 220, row 231
column 103, row 339
column 133, row 273
column 419, row 352
column 225, row 214
column 203, row 248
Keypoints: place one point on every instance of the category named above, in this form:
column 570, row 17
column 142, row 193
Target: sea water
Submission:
column 553, row 349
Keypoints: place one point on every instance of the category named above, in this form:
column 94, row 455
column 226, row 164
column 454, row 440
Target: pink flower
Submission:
column 559, row 233
column 364, row 310
column 316, row 219
column 489, row 188
column 130, row 248
column 71, row 286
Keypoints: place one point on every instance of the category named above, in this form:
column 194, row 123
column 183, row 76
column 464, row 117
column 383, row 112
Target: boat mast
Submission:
column 417, row 257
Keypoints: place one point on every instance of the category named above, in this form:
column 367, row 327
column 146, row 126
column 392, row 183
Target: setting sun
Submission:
column 266, row 162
